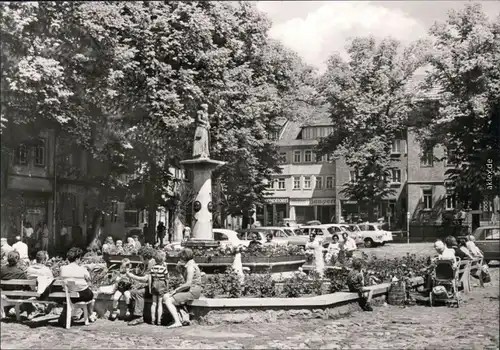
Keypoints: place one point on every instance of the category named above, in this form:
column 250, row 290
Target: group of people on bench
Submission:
column 154, row 284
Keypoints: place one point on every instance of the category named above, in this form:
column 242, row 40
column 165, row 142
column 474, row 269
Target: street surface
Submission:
column 473, row 326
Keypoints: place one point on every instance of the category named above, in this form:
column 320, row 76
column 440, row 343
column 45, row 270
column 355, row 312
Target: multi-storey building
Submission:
column 305, row 190
column 49, row 179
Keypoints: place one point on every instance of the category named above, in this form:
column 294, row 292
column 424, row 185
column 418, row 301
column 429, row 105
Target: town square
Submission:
column 250, row 175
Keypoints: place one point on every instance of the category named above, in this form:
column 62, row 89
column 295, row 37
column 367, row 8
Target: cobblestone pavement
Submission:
column 474, row 325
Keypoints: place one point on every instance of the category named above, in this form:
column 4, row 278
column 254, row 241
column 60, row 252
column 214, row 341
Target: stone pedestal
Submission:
column 201, row 227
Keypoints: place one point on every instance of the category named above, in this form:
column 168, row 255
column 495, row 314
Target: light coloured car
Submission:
column 223, row 236
column 371, row 234
column 280, row 234
column 228, row 238
column 487, row 238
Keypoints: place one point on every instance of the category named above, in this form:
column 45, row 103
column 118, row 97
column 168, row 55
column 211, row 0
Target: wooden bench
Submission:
column 22, row 295
column 465, row 270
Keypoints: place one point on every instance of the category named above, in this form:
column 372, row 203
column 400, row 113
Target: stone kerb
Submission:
column 209, row 311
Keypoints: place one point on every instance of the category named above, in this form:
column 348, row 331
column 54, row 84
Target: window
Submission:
column 427, row 158
column 308, row 156
column 273, row 135
column 427, row 199
column 219, row 236
column 396, row 147
column 131, row 218
column 491, row 234
column 282, row 158
column 40, row 154
column 22, row 155
column 281, row 183
column 329, row 182
column 396, row 176
column 296, row 183
column 450, row 201
column 353, row 176
column 319, row 182
column 307, row 182
column 314, row 132
column 296, row 156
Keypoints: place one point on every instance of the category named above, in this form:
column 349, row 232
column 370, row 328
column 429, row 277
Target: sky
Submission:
column 316, row 29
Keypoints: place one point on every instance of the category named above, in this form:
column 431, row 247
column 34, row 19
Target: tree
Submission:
column 465, row 74
column 172, row 57
column 369, row 101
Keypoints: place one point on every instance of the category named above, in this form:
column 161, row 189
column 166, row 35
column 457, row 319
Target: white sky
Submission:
column 315, row 29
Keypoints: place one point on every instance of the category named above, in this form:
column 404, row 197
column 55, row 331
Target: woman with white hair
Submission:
column 473, row 249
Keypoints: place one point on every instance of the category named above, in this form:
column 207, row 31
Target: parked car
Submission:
column 371, row 234
column 488, row 240
column 280, row 234
column 228, row 237
column 287, row 222
column 313, row 222
column 223, row 236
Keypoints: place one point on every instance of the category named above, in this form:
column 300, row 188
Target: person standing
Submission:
column 348, row 246
column 45, row 237
column 28, row 235
column 170, row 234
column 22, row 249
column 64, row 238
column 145, row 233
column 187, row 233
column 315, row 245
column 160, row 233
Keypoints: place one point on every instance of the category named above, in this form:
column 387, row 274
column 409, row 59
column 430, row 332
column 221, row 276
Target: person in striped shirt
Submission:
column 158, row 286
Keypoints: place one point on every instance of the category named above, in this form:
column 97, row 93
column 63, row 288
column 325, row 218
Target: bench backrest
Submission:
column 32, row 283
column 476, row 264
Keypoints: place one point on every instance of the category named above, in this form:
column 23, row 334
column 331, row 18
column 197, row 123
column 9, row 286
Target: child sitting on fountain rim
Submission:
column 122, row 288
column 158, row 286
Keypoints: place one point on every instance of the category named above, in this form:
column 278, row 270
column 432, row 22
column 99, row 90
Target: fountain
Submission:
column 202, row 236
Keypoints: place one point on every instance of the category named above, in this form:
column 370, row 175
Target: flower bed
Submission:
column 227, row 284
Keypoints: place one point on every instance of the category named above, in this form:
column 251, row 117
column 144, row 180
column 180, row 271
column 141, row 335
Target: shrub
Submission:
column 259, row 285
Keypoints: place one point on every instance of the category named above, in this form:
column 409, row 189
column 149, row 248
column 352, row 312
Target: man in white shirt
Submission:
column 444, row 252
column 21, row 248
column 348, row 246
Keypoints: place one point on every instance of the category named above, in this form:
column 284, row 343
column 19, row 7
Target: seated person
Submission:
column 254, row 243
column 78, row 279
column 39, row 268
column 463, row 247
column 473, row 249
column 188, row 291
column 444, row 252
column 451, row 243
column 14, row 271
column 356, row 283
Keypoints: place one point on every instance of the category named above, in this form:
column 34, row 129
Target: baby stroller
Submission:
column 444, row 284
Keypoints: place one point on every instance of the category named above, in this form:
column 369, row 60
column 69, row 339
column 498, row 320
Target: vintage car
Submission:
column 280, row 234
column 323, row 232
column 223, row 236
column 371, row 234
column 487, row 238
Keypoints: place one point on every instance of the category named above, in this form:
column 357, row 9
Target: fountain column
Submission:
column 202, row 167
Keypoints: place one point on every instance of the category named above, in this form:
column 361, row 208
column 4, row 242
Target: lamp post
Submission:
column 408, row 214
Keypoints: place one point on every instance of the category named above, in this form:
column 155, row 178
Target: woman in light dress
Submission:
column 315, row 245
column 333, row 250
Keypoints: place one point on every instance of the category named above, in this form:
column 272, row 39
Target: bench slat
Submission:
column 18, row 282
column 22, row 293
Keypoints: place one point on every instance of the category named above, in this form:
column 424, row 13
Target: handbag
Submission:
column 397, row 293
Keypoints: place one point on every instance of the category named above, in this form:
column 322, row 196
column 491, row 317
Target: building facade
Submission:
column 305, row 190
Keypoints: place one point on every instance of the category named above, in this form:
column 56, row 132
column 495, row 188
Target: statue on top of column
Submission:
column 201, row 135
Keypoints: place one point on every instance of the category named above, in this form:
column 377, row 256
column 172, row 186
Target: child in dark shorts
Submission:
column 122, row 288
column 158, row 287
